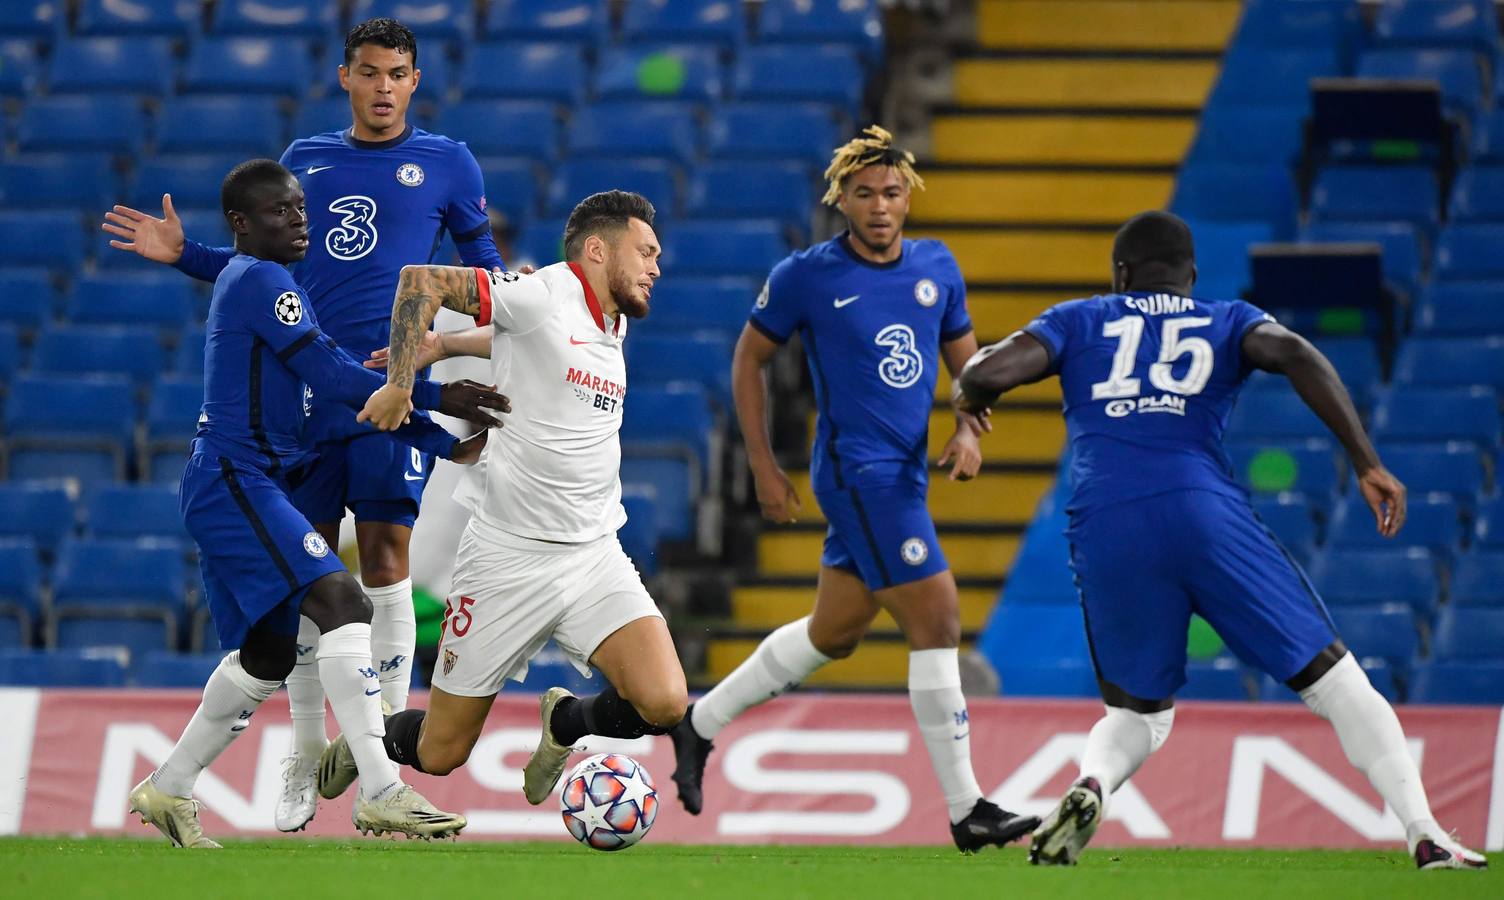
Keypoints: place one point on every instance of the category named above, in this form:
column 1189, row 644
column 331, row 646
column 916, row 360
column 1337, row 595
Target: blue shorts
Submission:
column 1144, row 566
column 375, row 476
column 257, row 553
column 883, row 533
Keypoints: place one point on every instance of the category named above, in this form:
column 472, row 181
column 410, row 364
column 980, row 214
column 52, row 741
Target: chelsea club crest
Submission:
column 410, row 174
column 926, row 292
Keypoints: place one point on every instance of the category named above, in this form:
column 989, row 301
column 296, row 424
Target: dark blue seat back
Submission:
column 584, row 21
column 63, row 180
column 527, row 128
column 524, row 70
column 1461, row 308
column 1445, row 362
column 41, row 512
column 110, row 65
column 1478, row 579
column 1374, row 577
column 717, row 23
column 749, row 249
column 1438, row 414
column 79, row 123
column 62, row 668
column 132, row 351
column 246, row 125
column 803, row 133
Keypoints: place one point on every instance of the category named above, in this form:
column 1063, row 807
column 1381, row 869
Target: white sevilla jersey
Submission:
column 553, row 472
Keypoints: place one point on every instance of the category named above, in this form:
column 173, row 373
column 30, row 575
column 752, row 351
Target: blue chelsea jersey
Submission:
column 872, row 334
column 373, row 208
column 1149, row 381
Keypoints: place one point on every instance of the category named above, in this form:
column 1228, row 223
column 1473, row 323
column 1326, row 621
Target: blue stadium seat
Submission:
column 1365, row 577
column 1438, row 414
column 673, row 482
column 40, row 512
column 1277, row 413
column 131, row 351
column 18, row 67
column 73, row 124
column 1459, row 682
column 1456, row 71
column 1269, row 76
column 1441, row 362
column 660, row 73
column 1046, row 678
column 857, row 23
column 318, row 116
column 10, row 351
column 702, row 358
column 137, row 585
column 1399, row 243
column 524, row 71
column 1376, row 193
column 1222, row 255
column 110, row 65
column 27, row 297
column 748, row 190
column 1468, row 633
column 134, row 510
column 1047, row 656
column 502, row 127
column 1461, row 308
column 694, row 304
column 615, row 130
column 1451, row 468
column 1275, row 24
column 711, row 23
column 59, row 180
column 584, row 21
column 749, row 249
column 277, row 18
column 1356, row 360
column 1488, row 527
column 767, row 132
column 62, row 668
column 169, row 669
column 1478, row 195
column 193, row 181
column 248, row 65
column 671, row 418
column 48, row 238
column 541, row 242
column 248, row 126
column 511, row 186
column 1478, row 579
column 20, row 591
column 1288, row 515
column 188, row 357
column 1384, row 631
column 1432, row 521
column 171, row 422
column 1267, row 135
column 1470, row 252
column 1218, row 679
column 33, row 18
column 1378, row 671
column 68, row 427
column 1464, row 24
column 820, row 74
column 429, row 20
column 163, row 299
column 1307, row 467
column 111, row 17
column 1228, row 192
column 576, row 179
column 1488, row 137
column 639, row 536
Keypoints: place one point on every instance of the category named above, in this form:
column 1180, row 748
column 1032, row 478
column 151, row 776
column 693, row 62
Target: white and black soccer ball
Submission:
column 609, row 802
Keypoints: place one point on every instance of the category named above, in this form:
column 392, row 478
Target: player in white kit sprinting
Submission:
column 540, row 558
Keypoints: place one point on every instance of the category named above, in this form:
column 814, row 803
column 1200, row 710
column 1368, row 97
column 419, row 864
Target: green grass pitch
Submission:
column 399, row 870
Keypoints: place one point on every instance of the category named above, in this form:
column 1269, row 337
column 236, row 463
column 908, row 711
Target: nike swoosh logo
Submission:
column 373, row 693
column 578, row 343
column 847, row 301
column 408, row 476
column 314, row 169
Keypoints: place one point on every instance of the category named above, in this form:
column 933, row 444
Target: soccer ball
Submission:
column 609, row 802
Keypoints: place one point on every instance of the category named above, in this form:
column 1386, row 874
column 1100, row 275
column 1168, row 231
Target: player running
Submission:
column 263, row 564
column 873, row 311
column 1149, row 374
column 539, row 558
column 380, row 195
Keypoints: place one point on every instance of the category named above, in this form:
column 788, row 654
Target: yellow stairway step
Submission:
column 1017, row 436
column 1047, row 391
column 768, row 607
column 796, row 553
column 990, row 497
column 1055, row 197
column 1084, row 83
column 874, row 664
column 997, row 314
column 1062, row 139
column 1075, row 257
column 1107, row 24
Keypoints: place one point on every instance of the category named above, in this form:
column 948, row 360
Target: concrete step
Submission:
column 795, row 552
column 878, row 664
column 1127, row 25
column 1061, row 139
column 1054, row 84
column 1017, row 436
column 1027, row 257
column 765, row 607
column 1070, row 198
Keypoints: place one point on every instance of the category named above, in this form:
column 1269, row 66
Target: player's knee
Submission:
column 838, row 646
column 443, row 758
column 335, row 601
column 663, row 707
column 268, row 656
column 940, row 633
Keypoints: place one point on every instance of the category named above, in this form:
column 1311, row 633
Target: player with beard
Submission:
column 539, row 558
column 874, row 311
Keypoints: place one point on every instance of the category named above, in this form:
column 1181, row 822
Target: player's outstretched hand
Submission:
column 469, row 400
column 467, row 451
column 776, row 495
column 430, row 351
column 388, row 408
column 964, row 451
column 159, row 240
column 1385, row 495
column 977, row 417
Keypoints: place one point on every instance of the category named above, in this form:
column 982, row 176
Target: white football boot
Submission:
column 176, row 817
column 402, row 810
column 1069, row 826
column 299, row 799
column 546, row 765
column 1443, row 852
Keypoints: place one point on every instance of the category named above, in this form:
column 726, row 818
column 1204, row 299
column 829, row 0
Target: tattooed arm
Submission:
column 421, row 290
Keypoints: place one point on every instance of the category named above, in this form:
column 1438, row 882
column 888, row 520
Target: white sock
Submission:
column 1120, row 742
column 305, row 695
column 394, row 635
column 230, row 697
column 354, row 693
column 783, row 660
column 1373, row 741
column 940, row 709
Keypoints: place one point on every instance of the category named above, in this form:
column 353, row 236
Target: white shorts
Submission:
column 511, row 594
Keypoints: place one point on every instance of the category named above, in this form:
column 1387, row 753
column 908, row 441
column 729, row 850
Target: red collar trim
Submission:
column 591, row 303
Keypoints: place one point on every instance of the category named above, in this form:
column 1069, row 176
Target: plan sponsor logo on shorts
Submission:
column 450, row 658
column 914, row 551
column 1164, row 403
column 315, row 545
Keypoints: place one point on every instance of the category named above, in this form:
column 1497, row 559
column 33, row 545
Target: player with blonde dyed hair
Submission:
column 875, row 313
